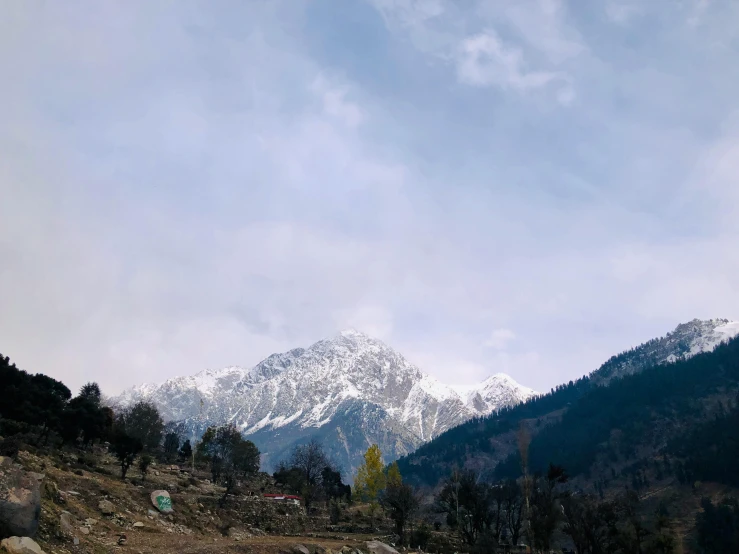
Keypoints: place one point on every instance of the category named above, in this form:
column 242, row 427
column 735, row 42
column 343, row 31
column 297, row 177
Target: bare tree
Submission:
column 310, row 460
column 400, row 502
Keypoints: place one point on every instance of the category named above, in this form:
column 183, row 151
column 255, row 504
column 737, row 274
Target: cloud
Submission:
column 485, row 61
column 335, row 103
column 623, row 11
column 500, row 338
column 484, row 58
column 187, row 187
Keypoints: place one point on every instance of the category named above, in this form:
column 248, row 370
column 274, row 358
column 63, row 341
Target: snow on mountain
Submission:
column 495, row 392
column 349, row 385
column 686, row 340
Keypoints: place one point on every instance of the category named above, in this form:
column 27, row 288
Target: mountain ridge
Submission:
column 288, row 397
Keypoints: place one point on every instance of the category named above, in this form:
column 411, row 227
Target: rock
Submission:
column 300, row 549
column 138, row 524
column 21, row 545
column 90, row 522
column 85, row 530
column 106, row 507
column 76, row 541
column 377, row 547
column 156, row 473
column 66, row 523
column 162, row 501
column 52, row 492
column 20, row 501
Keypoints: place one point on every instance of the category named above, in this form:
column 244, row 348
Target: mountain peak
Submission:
column 351, row 332
column 351, row 386
column 685, row 341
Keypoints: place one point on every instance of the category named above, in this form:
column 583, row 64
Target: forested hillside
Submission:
column 591, row 429
column 643, row 414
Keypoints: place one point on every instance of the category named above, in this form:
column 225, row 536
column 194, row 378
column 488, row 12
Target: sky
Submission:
column 525, row 187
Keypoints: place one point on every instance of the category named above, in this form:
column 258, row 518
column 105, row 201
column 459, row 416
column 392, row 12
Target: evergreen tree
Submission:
column 143, row 422
column 186, row 450
column 171, row 446
column 125, row 448
column 144, row 463
column 717, row 526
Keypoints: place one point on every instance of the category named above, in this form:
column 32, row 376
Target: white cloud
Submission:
column 623, row 11
column 180, row 190
column 335, row 103
column 484, row 60
column 376, row 321
column 500, row 338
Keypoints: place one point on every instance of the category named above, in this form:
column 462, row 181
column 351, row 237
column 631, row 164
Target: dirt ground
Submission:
column 146, row 543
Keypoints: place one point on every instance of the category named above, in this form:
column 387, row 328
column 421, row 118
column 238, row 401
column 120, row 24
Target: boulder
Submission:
column 20, row 500
column 300, row 549
column 106, row 507
column 21, row 545
column 66, row 523
column 162, row 501
column 138, row 524
column 377, row 547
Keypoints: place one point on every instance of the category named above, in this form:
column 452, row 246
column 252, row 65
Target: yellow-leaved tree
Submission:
column 394, row 478
column 370, row 479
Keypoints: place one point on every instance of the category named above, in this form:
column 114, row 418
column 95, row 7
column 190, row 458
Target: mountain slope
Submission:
column 351, row 390
column 638, row 416
column 483, row 443
column 685, row 341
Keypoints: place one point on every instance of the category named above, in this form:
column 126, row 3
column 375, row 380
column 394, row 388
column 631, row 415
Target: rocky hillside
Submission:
column 64, row 502
column 349, row 391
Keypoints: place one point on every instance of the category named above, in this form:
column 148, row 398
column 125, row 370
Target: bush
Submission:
column 10, row 427
column 144, row 463
column 335, row 511
column 421, row 536
column 87, row 460
column 9, row 447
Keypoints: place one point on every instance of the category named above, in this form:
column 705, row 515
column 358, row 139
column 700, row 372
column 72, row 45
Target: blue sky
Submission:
column 526, row 187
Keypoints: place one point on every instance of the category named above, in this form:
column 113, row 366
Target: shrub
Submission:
column 420, row 537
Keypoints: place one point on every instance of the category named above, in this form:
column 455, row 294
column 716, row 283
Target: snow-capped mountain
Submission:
column 688, row 339
column 496, row 391
column 349, row 391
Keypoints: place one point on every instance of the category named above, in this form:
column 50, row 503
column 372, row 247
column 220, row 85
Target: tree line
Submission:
column 44, row 412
